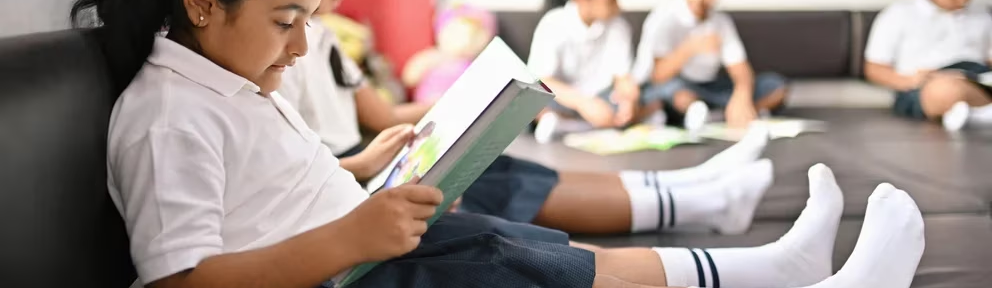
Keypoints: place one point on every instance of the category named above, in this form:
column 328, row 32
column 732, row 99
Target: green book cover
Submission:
column 471, row 125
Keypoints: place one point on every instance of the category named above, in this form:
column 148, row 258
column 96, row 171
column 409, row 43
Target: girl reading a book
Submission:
column 222, row 184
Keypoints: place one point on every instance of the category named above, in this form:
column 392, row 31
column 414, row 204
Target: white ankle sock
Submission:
column 745, row 152
column 696, row 116
column 726, row 205
column 890, row 246
column 961, row 114
column 547, row 125
column 955, row 118
column 981, row 115
column 801, row 257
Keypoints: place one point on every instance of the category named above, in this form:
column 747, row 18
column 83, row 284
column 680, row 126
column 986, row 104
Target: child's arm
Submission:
column 398, row 215
column 669, row 66
column 376, row 114
column 886, row 76
column 302, row 261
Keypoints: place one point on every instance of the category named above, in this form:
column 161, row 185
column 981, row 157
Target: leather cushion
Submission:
column 59, row 225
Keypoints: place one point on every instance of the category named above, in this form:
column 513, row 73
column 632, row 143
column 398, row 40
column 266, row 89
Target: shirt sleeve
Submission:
column 644, row 59
column 884, row 37
column 621, row 45
column 544, row 59
column 172, row 185
column 653, row 44
column 731, row 48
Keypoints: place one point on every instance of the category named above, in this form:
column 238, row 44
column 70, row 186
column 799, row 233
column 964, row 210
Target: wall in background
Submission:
column 29, row 16
column 791, row 5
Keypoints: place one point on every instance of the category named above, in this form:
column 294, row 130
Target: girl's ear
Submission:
column 199, row 11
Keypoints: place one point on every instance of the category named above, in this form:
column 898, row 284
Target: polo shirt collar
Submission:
column 199, row 69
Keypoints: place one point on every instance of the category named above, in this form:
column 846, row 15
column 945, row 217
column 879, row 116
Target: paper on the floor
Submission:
column 778, row 127
column 636, row 138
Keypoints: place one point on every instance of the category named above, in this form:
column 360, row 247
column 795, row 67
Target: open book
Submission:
column 636, row 138
column 778, row 127
column 470, row 125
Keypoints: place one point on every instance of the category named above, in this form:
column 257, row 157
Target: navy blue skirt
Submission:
column 471, row 250
column 510, row 189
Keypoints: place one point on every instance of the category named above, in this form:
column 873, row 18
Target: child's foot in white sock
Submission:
column 726, row 205
column 801, row 257
column 955, row 118
column 745, row 152
column 547, row 125
column 744, row 192
column 696, row 115
column 890, row 246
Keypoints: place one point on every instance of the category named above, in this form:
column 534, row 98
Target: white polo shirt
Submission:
column 587, row 57
column 326, row 107
column 911, row 35
column 672, row 22
column 199, row 164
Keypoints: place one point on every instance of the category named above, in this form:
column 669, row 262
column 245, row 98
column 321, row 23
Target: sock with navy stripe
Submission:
column 801, row 257
column 725, row 205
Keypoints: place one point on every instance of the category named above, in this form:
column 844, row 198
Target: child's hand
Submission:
column 740, row 112
column 390, row 223
column 454, row 205
column 624, row 90
column 382, row 149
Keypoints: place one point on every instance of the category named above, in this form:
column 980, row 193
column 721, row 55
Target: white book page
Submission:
column 454, row 112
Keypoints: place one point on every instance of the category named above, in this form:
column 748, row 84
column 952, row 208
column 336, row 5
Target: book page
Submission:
column 454, row 112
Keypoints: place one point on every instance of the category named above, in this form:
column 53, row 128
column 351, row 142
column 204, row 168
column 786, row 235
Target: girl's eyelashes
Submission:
column 287, row 26
column 284, row 26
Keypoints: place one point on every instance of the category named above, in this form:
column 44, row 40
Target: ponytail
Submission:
column 128, row 32
column 129, row 29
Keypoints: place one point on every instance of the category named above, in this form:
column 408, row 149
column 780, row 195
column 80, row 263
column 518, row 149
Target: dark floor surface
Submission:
column 948, row 174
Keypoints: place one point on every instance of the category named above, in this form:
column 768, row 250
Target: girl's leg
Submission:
column 886, row 255
column 598, row 203
column 721, row 194
column 801, row 257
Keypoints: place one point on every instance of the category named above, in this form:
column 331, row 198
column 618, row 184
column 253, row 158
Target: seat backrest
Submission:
column 58, row 227
column 810, row 44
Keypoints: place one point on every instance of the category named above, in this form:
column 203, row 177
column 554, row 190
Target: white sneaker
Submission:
column 546, row 127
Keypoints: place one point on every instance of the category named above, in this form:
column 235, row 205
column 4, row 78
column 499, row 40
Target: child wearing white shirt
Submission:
column 582, row 51
column 222, row 184
column 691, row 57
column 931, row 52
